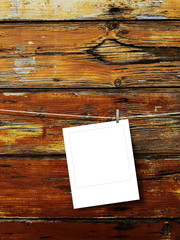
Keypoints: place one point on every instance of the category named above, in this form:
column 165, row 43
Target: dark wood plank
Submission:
column 81, row 230
column 90, row 54
column 88, row 9
column 22, row 134
column 39, row 187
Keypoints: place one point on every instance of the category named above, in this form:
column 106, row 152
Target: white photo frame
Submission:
column 101, row 164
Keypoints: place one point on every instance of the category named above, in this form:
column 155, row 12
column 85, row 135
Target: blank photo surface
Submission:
column 100, row 164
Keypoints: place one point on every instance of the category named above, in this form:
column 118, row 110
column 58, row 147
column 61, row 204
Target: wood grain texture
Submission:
column 39, row 188
column 21, row 134
column 81, row 230
column 91, row 68
column 91, row 54
column 88, row 9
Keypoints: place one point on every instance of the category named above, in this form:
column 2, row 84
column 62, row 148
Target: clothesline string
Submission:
column 8, row 111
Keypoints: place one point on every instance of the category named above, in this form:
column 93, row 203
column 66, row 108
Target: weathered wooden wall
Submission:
column 106, row 55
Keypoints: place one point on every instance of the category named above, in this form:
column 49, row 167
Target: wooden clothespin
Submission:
column 117, row 115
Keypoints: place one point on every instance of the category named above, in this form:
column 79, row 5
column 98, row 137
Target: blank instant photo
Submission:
column 101, row 164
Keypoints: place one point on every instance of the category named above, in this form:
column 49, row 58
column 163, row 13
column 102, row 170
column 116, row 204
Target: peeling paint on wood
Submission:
column 24, row 65
column 146, row 17
column 7, row 94
column 88, row 9
column 90, row 54
column 15, row 9
column 43, row 135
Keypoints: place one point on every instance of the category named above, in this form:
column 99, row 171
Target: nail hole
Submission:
column 117, row 82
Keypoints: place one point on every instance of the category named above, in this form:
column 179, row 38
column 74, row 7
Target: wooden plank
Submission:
column 24, row 134
column 134, row 230
column 88, row 9
column 39, row 188
column 90, row 54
